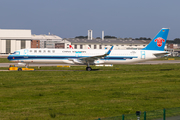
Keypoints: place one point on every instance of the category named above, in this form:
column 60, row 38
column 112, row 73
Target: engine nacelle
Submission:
column 22, row 64
column 96, row 62
column 76, row 61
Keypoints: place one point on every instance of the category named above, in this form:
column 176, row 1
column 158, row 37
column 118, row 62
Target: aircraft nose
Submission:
column 9, row 57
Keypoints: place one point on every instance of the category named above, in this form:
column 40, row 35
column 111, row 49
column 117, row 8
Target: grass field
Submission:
column 83, row 95
column 4, row 60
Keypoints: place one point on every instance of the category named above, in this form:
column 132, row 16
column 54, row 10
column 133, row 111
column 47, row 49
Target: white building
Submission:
column 13, row 39
column 51, row 41
column 107, row 43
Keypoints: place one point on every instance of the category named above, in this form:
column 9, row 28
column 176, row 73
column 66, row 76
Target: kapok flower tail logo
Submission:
column 159, row 41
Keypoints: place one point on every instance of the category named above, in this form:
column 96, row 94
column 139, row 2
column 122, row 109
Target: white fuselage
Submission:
column 63, row 56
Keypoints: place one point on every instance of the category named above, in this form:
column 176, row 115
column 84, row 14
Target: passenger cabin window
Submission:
column 30, row 51
column 39, row 51
column 53, row 51
column 35, row 51
column 44, row 51
column 49, row 51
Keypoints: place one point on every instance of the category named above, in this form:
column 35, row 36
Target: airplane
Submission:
column 89, row 57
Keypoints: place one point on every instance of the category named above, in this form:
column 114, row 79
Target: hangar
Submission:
column 14, row 39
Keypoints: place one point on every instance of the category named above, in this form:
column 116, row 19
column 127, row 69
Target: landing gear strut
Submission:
column 88, row 68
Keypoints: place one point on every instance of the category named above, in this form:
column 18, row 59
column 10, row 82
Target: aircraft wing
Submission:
column 89, row 60
column 92, row 58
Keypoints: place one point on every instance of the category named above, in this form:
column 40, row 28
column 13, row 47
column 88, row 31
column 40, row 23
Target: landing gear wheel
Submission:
column 88, row 68
column 19, row 69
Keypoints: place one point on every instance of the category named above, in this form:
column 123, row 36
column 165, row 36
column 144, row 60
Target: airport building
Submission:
column 49, row 41
column 102, row 43
column 13, row 39
column 107, row 43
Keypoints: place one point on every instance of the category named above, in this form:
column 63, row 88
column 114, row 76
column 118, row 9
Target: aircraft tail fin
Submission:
column 159, row 41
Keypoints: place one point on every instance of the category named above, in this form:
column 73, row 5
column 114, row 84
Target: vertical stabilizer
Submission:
column 159, row 41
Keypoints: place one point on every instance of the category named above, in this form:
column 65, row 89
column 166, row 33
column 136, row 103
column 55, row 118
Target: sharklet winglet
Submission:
column 109, row 51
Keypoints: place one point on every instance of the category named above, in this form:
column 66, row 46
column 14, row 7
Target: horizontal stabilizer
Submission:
column 160, row 54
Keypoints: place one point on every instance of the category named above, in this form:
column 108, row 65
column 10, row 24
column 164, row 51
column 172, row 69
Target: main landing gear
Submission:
column 88, row 68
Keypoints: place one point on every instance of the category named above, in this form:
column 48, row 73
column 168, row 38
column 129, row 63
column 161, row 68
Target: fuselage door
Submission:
column 143, row 55
column 26, row 53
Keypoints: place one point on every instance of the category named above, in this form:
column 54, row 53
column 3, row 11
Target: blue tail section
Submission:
column 159, row 41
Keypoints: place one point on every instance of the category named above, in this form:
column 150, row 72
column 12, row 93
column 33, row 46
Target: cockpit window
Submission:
column 16, row 53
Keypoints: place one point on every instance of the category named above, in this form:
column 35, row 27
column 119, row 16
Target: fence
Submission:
column 163, row 114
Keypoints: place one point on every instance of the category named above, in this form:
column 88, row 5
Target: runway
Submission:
column 146, row 62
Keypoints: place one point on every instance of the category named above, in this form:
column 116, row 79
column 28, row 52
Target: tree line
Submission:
column 175, row 41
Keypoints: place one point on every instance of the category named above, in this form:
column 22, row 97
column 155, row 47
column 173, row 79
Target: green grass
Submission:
column 83, row 95
column 4, row 60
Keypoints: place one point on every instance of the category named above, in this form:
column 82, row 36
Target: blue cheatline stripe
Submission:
column 13, row 58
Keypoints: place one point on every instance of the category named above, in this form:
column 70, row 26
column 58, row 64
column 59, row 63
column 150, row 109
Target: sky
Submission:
column 71, row 18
